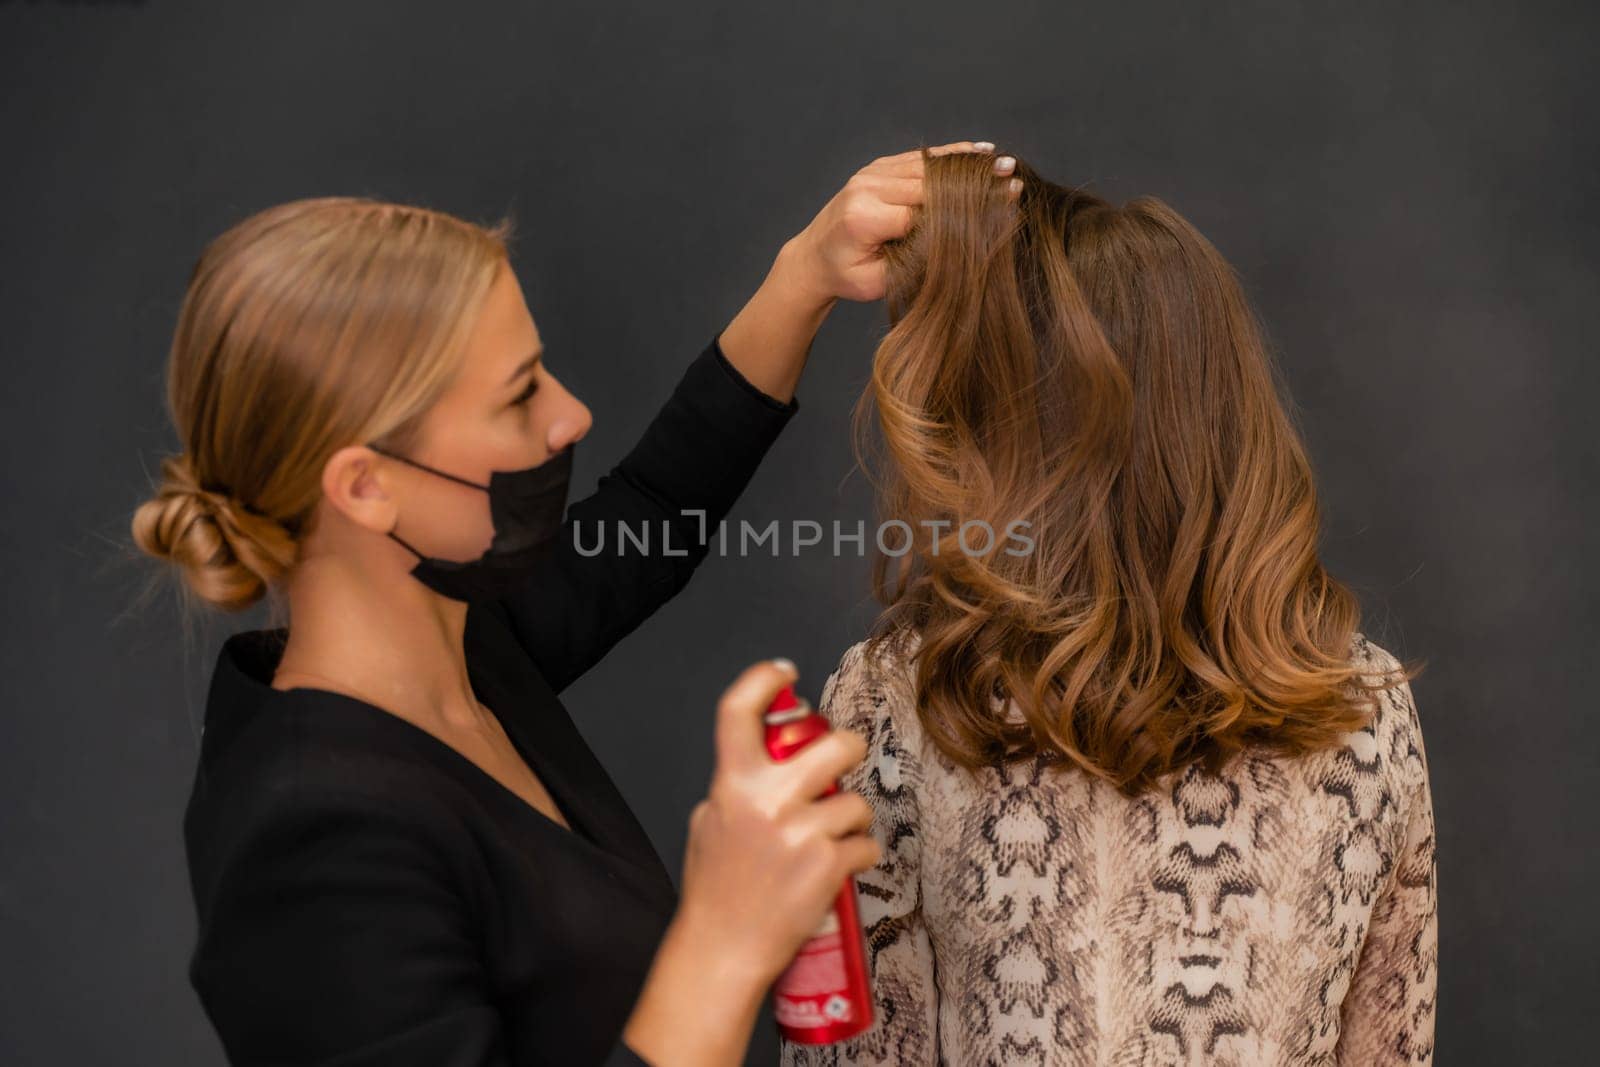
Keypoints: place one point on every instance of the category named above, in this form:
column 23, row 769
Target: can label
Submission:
column 811, row 992
column 825, row 994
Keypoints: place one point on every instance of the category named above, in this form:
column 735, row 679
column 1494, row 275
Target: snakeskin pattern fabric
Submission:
column 1280, row 912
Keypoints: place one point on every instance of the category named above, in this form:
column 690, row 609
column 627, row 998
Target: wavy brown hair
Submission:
column 1096, row 372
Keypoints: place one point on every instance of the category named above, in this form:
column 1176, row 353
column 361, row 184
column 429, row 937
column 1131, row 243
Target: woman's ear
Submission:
column 359, row 485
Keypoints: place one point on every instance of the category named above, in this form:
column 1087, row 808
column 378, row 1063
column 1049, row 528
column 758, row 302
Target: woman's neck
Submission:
column 393, row 644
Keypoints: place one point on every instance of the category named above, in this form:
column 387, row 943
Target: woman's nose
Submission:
column 570, row 425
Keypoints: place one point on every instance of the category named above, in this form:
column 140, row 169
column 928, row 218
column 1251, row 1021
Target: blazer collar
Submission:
column 504, row 678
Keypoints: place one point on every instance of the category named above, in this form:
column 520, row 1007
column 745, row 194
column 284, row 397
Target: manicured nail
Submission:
column 1016, row 185
column 786, row 665
column 983, row 146
column 1005, row 164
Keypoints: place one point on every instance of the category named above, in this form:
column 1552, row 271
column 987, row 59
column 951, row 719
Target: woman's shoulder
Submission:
column 312, row 779
column 1393, row 737
column 874, row 679
column 265, row 748
column 873, row 690
column 312, row 746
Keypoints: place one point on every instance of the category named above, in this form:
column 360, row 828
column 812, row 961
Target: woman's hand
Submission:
column 838, row 254
column 766, row 857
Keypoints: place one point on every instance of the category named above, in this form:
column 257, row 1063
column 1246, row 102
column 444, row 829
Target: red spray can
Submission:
column 825, row 994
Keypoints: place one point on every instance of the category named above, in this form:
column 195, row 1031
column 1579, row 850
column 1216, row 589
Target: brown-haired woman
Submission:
column 400, row 847
column 1146, row 792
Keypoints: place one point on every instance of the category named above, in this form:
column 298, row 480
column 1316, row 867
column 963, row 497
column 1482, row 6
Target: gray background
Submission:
column 1408, row 190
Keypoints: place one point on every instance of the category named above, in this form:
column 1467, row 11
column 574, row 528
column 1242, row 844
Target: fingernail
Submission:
column 1016, row 185
column 1004, row 164
column 983, row 146
column 786, row 665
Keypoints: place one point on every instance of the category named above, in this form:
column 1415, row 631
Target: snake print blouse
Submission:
column 1282, row 912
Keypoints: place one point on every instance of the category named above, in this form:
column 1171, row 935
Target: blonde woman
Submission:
column 401, row 849
column 1146, row 792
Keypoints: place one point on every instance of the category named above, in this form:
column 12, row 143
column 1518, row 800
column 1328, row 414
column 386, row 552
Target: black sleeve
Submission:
column 335, row 933
column 695, row 457
column 623, row 1056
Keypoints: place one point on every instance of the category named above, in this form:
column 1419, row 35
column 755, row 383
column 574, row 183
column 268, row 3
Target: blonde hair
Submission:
column 306, row 328
column 1097, row 372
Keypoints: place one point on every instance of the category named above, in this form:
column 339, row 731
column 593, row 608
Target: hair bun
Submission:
column 228, row 552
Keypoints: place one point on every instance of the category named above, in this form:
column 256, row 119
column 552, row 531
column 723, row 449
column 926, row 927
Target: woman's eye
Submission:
column 524, row 396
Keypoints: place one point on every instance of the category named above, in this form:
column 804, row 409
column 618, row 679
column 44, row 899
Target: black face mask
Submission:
column 526, row 507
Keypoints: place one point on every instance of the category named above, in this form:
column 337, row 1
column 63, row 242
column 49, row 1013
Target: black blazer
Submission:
column 367, row 895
